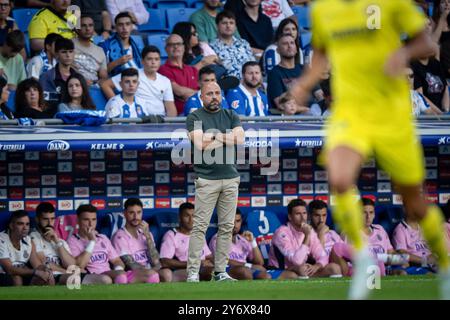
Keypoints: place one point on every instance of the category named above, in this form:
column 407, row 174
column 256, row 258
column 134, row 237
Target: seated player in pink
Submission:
column 94, row 252
column 297, row 248
column 175, row 246
column 447, row 224
column 245, row 260
column 379, row 245
column 408, row 239
column 318, row 217
column 136, row 246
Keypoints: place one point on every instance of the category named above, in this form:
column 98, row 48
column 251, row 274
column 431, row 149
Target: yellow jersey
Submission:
column 358, row 36
column 45, row 21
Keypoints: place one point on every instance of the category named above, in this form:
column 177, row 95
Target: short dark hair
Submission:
column 51, row 38
column 44, row 207
column 316, row 205
column 295, row 203
column 86, row 208
column 367, row 202
column 129, row 72
column 185, row 206
column 16, row 215
column 84, row 16
column 15, row 40
column 63, row 44
column 149, row 49
column 121, row 15
column 238, row 211
column 205, row 70
column 225, row 14
column 249, row 64
column 132, row 202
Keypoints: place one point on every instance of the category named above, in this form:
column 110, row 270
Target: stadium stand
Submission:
column 159, row 41
column 175, row 15
column 23, row 17
column 156, row 23
column 98, row 98
column 170, row 4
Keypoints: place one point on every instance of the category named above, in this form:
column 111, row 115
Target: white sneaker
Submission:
column 223, row 276
column 359, row 290
column 193, row 278
column 303, row 277
column 444, row 284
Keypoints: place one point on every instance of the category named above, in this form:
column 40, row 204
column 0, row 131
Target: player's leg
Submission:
column 285, row 275
column 338, row 255
column 343, row 166
column 118, row 276
column 179, row 275
column 165, row 275
column 142, row 276
column 331, row 269
column 206, row 273
column 240, row 272
column 92, row 278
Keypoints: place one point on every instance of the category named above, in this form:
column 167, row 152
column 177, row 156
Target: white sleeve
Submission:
column 168, row 92
column 111, row 109
column 286, row 8
column 34, row 67
column 113, row 10
column 66, row 246
column 37, row 243
column 4, row 252
column 142, row 15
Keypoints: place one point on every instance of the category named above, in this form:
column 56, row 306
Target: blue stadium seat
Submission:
column 27, row 44
column 23, row 17
column 98, row 98
column 111, row 222
column 197, row 5
column 305, row 39
column 156, row 23
column 11, row 103
column 262, row 224
column 162, row 222
column 177, row 15
column 97, row 39
column 139, row 41
column 171, row 4
column 303, row 15
column 159, row 40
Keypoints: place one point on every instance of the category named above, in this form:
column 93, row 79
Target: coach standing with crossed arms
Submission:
column 214, row 133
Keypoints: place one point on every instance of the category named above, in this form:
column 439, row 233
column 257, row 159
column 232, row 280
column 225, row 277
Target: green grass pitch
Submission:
column 407, row 288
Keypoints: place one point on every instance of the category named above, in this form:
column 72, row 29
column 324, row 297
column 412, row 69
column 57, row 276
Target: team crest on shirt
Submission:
column 25, row 255
column 235, row 104
column 379, row 237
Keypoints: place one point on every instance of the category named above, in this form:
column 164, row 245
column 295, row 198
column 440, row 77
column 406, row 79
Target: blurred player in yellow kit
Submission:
column 371, row 113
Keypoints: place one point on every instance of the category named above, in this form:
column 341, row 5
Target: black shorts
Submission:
column 6, row 280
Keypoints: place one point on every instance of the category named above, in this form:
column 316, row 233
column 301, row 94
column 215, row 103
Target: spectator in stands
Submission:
column 52, row 19
column 420, row 105
column 18, row 253
column 154, row 88
column 294, row 244
column 441, row 32
column 379, row 245
column 11, row 62
column 205, row 21
column 120, row 49
column 52, row 250
column 90, row 59
column 30, row 102
column 205, row 75
column 255, row 27
column 184, row 78
column 7, row 24
column 54, row 81
column 271, row 56
column 46, row 59
column 408, row 239
column 317, row 210
column 232, row 52
column 135, row 9
column 175, row 244
column 429, row 80
column 99, row 12
column 288, row 106
column 277, row 10
column 5, row 112
column 94, row 252
column 196, row 54
column 246, row 261
column 135, row 244
column 248, row 99
column 76, row 95
column 281, row 77
column 126, row 104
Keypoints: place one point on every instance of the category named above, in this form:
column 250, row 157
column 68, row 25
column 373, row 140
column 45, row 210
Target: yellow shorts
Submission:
column 392, row 141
